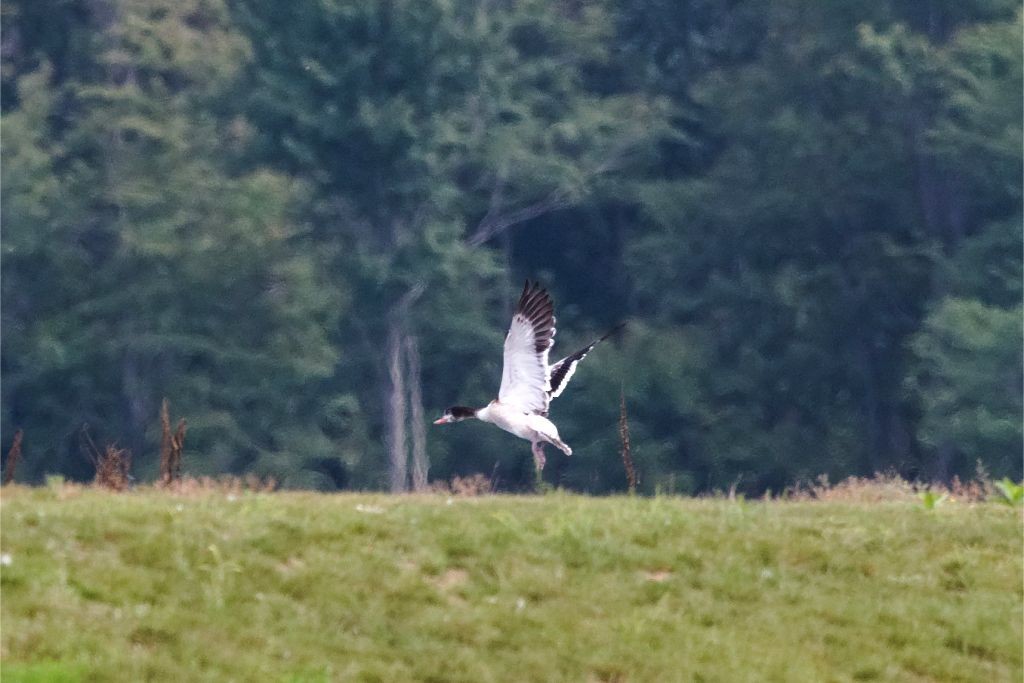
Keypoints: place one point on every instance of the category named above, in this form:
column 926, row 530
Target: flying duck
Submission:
column 528, row 383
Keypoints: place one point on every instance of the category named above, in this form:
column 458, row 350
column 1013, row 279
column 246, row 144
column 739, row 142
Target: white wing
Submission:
column 525, row 376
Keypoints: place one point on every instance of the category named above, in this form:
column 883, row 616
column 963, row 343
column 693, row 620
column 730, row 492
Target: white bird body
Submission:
column 528, row 382
column 532, row 427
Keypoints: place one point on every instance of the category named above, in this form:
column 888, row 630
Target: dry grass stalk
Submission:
column 112, row 468
column 471, row 486
column 225, row 484
column 474, row 485
column 887, row 487
column 975, row 490
column 627, row 453
column 876, row 489
column 113, row 465
column 13, row 457
column 171, row 446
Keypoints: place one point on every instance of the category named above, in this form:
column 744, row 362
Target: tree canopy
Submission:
column 305, row 226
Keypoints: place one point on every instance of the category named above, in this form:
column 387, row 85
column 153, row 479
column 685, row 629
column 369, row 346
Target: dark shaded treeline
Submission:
column 305, row 225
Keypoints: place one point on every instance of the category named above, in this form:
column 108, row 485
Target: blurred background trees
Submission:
column 306, row 226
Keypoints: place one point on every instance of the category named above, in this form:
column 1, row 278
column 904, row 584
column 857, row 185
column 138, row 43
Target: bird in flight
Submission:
column 528, row 382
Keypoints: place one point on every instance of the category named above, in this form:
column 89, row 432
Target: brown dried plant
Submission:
column 627, row 453
column 224, row 484
column 879, row 488
column 474, row 485
column 171, row 446
column 13, row 457
column 468, row 487
column 113, row 465
column 889, row 487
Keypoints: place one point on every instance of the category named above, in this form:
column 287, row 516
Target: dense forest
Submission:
column 305, row 225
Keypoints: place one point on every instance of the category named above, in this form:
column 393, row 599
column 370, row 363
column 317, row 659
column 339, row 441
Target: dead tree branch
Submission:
column 13, row 457
column 172, row 445
column 495, row 222
column 627, row 453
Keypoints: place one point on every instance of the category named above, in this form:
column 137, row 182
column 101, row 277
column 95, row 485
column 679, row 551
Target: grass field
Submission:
column 307, row 587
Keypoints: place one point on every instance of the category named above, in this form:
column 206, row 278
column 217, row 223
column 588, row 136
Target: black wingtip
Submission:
column 612, row 331
column 533, row 298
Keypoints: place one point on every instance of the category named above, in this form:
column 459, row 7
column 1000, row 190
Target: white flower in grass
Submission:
column 5, row 559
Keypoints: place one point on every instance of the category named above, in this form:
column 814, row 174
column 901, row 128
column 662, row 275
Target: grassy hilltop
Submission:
column 305, row 587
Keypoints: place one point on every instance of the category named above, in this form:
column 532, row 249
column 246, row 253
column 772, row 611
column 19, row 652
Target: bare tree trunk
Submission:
column 396, row 441
column 498, row 219
column 396, row 397
column 418, row 425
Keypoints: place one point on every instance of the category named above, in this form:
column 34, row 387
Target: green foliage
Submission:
column 802, row 266
column 970, row 388
column 967, row 368
column 1010, row 493
column 300, row 586
column 967, row 371
column 810, row 212
column 45, row 672
column 137, row 266
column 931, row 499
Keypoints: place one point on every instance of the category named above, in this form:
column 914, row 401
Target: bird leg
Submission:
column 538, row 455
column 561, row 445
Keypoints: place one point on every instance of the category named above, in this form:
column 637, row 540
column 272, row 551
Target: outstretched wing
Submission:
column 562, row 371
column 525, row 376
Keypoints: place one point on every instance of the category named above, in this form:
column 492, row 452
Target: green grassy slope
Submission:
column 307, row 587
